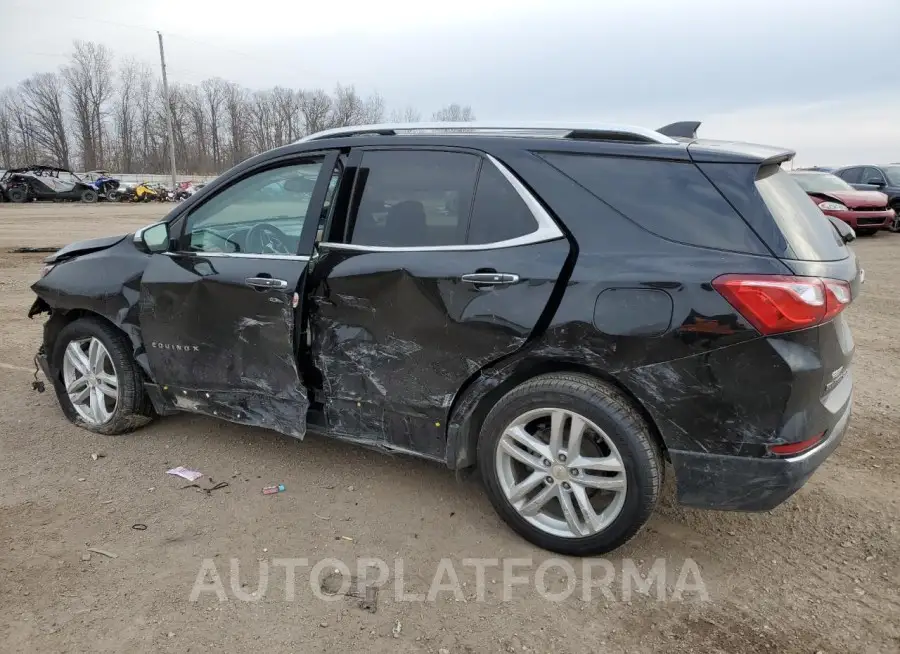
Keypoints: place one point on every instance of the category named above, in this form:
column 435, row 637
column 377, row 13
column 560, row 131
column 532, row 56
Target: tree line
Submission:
column 96, row 114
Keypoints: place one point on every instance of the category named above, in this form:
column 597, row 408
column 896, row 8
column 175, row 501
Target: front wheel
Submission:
column 17, row 194
column 89, row 195
column 100, row 386
column 113, row 196
column 570, row 464
column 895, row 225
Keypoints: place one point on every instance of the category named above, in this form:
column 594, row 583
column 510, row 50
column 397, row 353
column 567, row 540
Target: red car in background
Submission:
column 865, row 211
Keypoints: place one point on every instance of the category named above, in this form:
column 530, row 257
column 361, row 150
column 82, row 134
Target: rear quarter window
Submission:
column 807, row 230
column 668, row 198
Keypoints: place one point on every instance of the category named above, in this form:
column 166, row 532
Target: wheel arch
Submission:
column 59, row 318
column 472, row 406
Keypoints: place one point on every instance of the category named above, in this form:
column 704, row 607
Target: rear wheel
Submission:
column 89, row 195
column 17, row 194
column 100, row 386
column 569, row 464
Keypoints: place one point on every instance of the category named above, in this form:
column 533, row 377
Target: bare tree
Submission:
column 125, row 112
column 7, row 145
column 89, row 85
column 42, row 97
column 454, row 113
column 197, row 159
column 236, row 118
column 146, row 111
column 315, row 106
column 407, row 115
column 119, row 120
column 287, row 108
column 214, row 96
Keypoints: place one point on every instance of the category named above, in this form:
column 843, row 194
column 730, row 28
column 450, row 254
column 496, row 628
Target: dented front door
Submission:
column 219, row 312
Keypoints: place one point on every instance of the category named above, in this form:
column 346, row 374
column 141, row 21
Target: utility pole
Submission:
column 162, row 63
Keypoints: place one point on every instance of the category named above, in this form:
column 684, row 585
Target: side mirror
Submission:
column 876, row 182
column 153, row 238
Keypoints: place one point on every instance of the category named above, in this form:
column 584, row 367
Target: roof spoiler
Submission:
column 686, row 129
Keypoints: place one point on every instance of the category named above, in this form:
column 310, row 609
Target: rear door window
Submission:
column 850, row 175
column 807, row 230
column 499, row 213
column 414, row 198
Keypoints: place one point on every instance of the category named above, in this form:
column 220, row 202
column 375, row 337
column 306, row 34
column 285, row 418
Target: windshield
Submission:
column 820, row 182
column 805, row 227
column 893, row 174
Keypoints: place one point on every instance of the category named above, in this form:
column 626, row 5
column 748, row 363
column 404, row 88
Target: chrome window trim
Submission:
column 238, row 255
column 547, row 229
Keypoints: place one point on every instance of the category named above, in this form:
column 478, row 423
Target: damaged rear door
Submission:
column 219, row 311
column 436, row 263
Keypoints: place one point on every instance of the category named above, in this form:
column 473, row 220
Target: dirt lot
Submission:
column 820, row 573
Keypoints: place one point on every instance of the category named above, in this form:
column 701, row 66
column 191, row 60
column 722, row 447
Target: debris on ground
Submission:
column 33, row 250
column 86, row 556
column 396, row 630
column 139, row 526
column 343, row 538
column 97, row 455
column 221, row 484
column 272, row 490
column 333, row 582
column 370, row 600
column 97, row 550
column 321, row 517
column 186, row 473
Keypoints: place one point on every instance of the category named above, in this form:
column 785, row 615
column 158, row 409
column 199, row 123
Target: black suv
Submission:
column 876, row 178
column 566, row 308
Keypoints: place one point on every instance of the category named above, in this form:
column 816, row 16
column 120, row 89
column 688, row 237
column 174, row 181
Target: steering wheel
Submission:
column 265, row 238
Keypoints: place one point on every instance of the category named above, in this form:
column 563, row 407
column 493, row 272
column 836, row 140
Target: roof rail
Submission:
column 586, row 131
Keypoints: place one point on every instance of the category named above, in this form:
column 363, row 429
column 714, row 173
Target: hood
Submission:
column 84, row 247
column 857, row 199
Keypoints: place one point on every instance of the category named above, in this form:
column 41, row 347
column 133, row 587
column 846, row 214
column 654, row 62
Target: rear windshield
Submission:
column 811, row 236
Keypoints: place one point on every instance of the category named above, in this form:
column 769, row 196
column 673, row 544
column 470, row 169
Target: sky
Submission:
column 821, row 77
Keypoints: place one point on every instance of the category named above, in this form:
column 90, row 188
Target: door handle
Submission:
column 490, row 278
column 266, row 282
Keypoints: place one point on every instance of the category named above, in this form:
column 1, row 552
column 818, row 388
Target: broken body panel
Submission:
column 391, row 348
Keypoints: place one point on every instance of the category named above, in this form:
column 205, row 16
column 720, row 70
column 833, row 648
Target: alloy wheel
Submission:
column 561, row 472
column 90, row 379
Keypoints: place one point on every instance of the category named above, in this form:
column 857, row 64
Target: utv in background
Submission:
column 46, row 183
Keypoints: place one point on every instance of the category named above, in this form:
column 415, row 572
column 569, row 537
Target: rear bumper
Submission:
column 865, row 219
column 736, row 483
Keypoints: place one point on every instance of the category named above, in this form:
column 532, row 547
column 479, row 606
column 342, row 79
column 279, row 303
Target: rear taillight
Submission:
column 780, row 303
column 789, row 449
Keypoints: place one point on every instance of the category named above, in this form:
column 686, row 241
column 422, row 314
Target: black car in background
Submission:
column 875, row 178
column 566, row 308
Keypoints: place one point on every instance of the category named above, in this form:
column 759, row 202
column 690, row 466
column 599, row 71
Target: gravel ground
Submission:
column 819, row 573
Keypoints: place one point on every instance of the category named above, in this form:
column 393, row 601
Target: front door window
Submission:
column 262, row 214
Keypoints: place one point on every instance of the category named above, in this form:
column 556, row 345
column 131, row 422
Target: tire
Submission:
column 132, row 408
column 113, row 196
column 17, row 194
column 895, row 226
column 638, row 455
column 89, row 195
